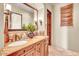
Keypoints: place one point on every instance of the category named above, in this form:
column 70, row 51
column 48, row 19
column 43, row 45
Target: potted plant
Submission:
column 30, row 28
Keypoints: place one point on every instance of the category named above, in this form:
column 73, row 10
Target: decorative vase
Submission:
column 30, row 34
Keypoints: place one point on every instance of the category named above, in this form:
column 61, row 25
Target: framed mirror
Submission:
column 20, row 14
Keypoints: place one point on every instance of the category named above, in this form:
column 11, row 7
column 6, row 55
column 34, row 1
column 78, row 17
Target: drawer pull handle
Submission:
column 24, row 51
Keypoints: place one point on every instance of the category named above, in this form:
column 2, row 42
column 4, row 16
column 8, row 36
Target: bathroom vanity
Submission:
column 15, row 35
column 37, row 46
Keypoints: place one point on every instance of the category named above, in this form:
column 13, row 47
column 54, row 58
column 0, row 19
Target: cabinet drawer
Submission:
column 30, row 47
column 29, row 53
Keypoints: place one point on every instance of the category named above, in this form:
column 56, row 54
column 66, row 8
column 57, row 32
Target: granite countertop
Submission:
column 8, row 50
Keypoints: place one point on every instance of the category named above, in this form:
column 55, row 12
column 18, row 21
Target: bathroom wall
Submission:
column 66, row 37
column 1, row 26
column 60, row 33
column 73, row 32
column 41, row 18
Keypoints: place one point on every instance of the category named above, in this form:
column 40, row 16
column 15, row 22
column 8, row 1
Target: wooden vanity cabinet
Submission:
column 30, row 51
column 37, row 49
column 27, row 51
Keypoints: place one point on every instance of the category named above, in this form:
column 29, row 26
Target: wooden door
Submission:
column 49, row 26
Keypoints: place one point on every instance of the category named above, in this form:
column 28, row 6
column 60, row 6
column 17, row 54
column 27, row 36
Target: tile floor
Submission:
column 61, row 52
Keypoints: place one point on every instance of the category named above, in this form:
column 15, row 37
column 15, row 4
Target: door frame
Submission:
column 51, row 25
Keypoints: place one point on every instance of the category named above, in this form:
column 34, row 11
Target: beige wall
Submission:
column 1, row 26
column 60, row 33
column 73, row 32
column 41, row 18
column 66, row 37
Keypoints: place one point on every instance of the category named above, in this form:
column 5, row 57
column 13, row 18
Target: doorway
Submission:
column 49, row 25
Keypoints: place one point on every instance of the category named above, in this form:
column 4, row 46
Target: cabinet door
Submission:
column 39, row 48
column 46, row 47
column 42, row 48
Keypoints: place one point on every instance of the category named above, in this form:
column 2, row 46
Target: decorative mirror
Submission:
column 21, row 14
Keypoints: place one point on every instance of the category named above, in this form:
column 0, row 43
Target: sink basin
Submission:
column 17, row 43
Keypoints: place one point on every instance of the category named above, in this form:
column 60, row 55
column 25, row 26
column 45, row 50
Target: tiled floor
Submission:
column 61, row 52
